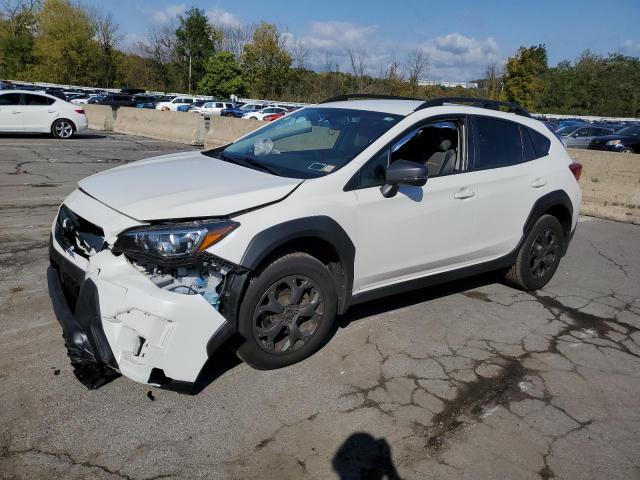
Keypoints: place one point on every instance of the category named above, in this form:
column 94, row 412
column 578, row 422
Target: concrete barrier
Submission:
column 181, row 127
column 223, row 130
column 610, row 184
column 101, row 117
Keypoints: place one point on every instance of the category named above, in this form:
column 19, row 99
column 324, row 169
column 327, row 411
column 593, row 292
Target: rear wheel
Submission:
column 539, row 255
column 287, row 312
column 62, row 128
column 626, row 150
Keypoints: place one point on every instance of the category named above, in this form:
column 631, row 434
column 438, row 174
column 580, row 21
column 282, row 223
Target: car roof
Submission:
column 29, row 92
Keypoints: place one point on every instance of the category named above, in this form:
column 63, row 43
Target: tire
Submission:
column 277, row 331
column 626, row 150
column 63, row 129
column 539, row 255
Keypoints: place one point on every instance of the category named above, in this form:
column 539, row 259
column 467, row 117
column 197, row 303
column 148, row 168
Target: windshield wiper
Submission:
column 244, row 161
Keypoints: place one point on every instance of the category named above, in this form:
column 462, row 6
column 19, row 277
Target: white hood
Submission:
column 185, row 185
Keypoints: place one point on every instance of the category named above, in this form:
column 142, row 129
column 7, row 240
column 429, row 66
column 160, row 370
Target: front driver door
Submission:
column 421, row 230
column 10, row 112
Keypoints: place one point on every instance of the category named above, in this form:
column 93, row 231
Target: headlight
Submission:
column 178, row 240
column 614, row 142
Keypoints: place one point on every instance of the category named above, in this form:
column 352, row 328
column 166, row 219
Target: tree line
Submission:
column 59, row 41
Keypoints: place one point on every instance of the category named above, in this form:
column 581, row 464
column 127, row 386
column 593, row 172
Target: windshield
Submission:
column 630, row 130
column 310, row 143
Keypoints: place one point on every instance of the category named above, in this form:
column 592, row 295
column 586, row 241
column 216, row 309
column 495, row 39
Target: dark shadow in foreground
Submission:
column 363, row 457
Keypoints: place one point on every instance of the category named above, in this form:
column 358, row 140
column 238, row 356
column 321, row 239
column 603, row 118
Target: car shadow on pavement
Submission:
column 401, row 300
column 363, row 456
column 225, row 359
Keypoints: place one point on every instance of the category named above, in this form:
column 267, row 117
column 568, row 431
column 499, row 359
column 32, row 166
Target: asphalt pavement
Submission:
column 467, row 380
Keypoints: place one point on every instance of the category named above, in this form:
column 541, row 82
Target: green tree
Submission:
column 65, row 48
column 223, row 77
column 266, row 62
column 525, row 75
column 17, row 27
column 195, row 39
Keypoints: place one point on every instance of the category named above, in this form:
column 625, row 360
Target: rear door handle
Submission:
column 464, row 193
column 538, row 182
column 51, row 111
column 16, row 113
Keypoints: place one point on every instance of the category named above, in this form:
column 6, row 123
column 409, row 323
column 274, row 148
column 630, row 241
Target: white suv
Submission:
column 262, row 242
column 173, row 105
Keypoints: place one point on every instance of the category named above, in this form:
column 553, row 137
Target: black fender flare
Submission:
column 320, row 227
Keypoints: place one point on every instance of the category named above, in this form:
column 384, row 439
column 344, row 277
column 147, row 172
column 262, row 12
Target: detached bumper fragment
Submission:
column 87, row 347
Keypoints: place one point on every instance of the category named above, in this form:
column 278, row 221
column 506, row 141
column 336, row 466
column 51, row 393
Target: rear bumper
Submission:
column 115, row 320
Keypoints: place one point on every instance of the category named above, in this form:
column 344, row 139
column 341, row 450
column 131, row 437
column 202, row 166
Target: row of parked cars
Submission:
column 623, row 137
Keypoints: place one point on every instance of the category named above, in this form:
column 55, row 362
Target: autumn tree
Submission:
column 266, row 62
column 525, row 75
column 65, row 48
column 108, row 37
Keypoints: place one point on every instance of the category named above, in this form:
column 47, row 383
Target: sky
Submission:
column 460, row 37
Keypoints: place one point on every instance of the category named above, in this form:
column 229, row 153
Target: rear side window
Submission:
column 541, row 143
column 29, row 99
column 499, row 143
column 10, row 99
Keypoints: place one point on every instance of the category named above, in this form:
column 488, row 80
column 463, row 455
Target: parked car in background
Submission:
column 172, row 105
column 83, row 99
column 212, row 108
column 552, row 126
column 145, row 101
column 114, row 100
column 260, row 114
column 25, row 111
column 579, row 136
column 626, row 140
column 6, row 85
column 238, row 112
column 273, row 116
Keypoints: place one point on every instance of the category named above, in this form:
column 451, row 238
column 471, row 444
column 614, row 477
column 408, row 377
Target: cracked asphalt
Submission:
column 468, row 380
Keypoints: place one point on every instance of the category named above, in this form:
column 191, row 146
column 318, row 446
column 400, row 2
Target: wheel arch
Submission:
column 319, row 236
column 556, row 203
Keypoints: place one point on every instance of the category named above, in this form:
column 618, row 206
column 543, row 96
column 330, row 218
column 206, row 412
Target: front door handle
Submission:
column 538, row 182
column 464, row 193
column 16, row 113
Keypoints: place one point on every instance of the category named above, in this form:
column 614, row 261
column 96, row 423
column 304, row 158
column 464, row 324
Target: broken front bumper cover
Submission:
column 115, row 320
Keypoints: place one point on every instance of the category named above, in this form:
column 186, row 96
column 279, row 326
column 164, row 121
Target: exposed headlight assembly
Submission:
column 173, row 241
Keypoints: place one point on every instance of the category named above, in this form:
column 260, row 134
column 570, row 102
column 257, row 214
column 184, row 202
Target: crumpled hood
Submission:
column 185, row 185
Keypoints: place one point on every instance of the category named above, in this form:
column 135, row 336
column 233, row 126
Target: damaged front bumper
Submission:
column 116, row 320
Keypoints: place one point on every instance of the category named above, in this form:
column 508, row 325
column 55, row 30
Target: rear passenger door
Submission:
column 510, row 175
column 38, row 112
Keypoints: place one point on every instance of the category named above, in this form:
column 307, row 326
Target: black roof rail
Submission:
column 363, row 96
column 476, row 102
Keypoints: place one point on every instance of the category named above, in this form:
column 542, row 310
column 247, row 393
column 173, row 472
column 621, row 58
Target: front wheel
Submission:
column 287, row 312
column 539, row 255
column 62, row 128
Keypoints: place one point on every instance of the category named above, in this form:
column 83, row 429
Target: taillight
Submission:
column 79, row 110
column 576, row 169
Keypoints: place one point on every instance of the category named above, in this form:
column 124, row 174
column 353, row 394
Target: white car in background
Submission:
column 175, row 103
column 212, row 108
column 83, row 100
column 24, row 111
column 259, row 115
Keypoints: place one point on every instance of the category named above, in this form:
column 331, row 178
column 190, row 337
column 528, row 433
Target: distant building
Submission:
column 424, row 83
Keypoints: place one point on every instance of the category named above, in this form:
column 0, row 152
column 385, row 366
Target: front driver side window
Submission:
column 435, row 144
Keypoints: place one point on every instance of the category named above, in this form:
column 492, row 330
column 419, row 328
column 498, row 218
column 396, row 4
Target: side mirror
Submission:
column 403, row 172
